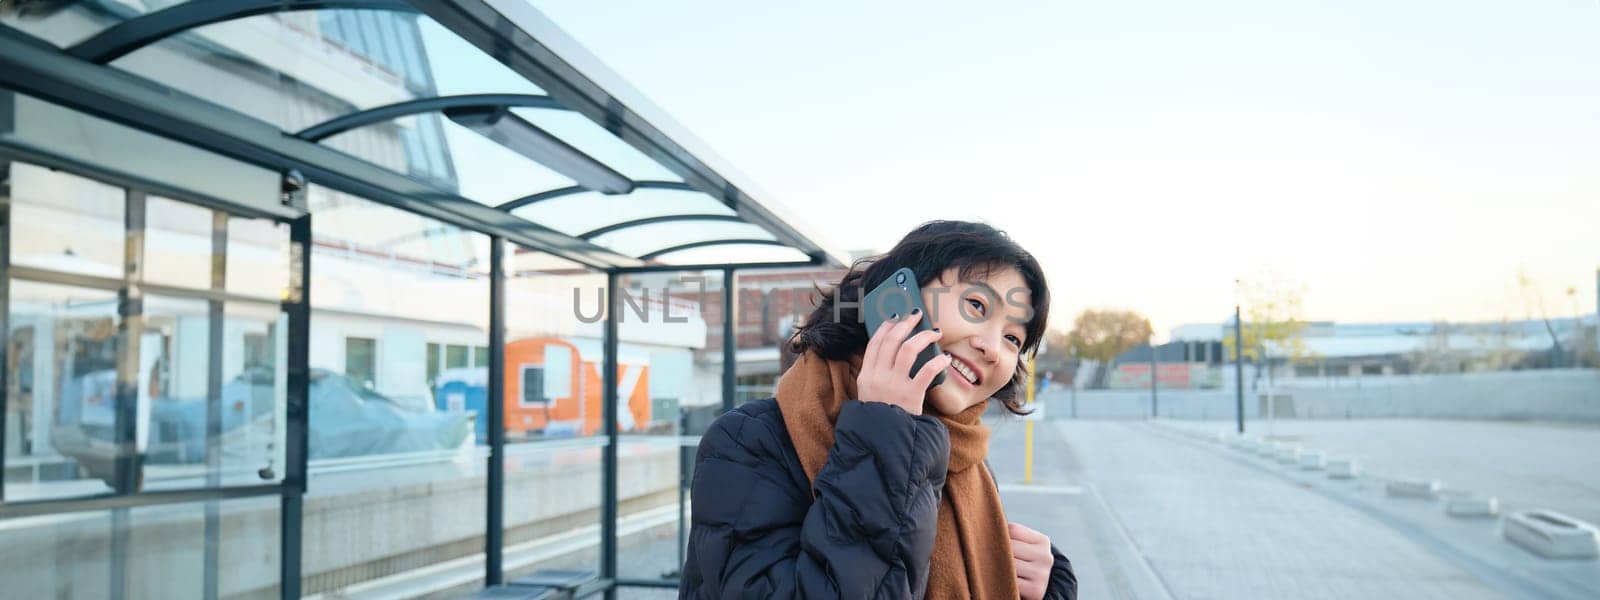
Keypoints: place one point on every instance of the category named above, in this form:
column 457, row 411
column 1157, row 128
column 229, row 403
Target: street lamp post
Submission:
column 1238, row 367
column 1155, row 404
column 1034, row 414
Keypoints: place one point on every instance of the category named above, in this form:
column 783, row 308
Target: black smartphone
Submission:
column 896, row 297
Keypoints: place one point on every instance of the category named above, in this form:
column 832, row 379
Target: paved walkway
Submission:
column 1523, row 463
column 1212, row 528
column 1145, row 511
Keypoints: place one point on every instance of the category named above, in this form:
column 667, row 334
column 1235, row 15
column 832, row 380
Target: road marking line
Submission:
column 1028, row 488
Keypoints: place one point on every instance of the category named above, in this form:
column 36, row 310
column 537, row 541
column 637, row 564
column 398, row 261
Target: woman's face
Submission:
column 984, row 325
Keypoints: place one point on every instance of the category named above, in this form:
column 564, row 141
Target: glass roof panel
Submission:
column 457, row 67
column 67, row 23
column 432, row 148
column 636, row 241
column 734, row 254
column 580, row 213
column 493, row 174
column 296, row 69
column 593, row 140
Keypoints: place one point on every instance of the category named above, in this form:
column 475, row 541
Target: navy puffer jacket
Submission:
column 757, row 532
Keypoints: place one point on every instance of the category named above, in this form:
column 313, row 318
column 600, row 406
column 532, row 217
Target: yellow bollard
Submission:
column 1027, row 456
column 1027, row 440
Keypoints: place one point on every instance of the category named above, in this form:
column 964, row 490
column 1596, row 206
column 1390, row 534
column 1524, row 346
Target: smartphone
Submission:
column 896, row 296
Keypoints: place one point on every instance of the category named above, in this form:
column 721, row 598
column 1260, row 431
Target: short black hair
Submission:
column 976, row 249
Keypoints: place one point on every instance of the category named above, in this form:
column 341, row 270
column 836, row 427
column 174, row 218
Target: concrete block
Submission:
column 1470, row 507
column 1553, row 535
column 1343, row 468
column 1288, row 454
column 1311, row 460
column 1271, row 449
column 1426, row 489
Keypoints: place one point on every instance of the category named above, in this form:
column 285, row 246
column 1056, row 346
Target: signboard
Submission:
column 1168, row 375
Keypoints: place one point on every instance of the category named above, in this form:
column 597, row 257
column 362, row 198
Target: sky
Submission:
column 1400, row 160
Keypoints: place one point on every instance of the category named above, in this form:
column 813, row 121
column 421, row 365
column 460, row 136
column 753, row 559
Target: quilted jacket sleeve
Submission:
column 1063, row 583
column 757, row 532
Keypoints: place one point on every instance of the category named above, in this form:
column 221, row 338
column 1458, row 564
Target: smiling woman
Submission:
column 859, row 481
column 986, row 293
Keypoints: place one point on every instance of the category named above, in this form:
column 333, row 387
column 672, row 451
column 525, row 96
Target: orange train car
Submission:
column 553, row 386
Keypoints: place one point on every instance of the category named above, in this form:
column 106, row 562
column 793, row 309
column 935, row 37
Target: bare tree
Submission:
column 1274, row 327
column 1103, row 334
column 1533, row 303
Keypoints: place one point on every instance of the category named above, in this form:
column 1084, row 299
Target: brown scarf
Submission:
column 971, row 548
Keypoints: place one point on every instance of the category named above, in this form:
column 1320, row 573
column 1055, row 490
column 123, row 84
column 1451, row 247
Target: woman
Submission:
column 858, row 480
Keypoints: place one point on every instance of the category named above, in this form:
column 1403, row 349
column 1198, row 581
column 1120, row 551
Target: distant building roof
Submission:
column 1330, row 339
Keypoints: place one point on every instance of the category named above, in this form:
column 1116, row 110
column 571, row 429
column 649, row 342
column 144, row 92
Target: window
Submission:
column 480, row 356
column 432, row 138
column 533, row 387
column 416, row 156
column 257, row 351
column 411, row 43
column 350, row 32
column 331, row 29
column 361, row 360
column 433, row 365
column 408, row 52
column 455, row 357
column 375, row 50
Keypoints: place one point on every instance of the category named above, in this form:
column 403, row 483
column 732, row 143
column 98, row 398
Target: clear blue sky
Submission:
column 1403, row 160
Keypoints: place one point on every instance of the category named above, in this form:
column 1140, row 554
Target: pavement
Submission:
column 1160, row 509
column 1526, row 464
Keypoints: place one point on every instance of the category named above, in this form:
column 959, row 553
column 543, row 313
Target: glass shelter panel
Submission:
column 387, row 288
column 555, row 436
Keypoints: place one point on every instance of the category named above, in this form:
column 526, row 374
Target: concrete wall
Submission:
column 1555, row 394
column 349, row 537
column 70, row 556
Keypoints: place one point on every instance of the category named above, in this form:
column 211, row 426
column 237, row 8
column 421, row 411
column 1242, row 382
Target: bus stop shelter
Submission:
column 123, row 93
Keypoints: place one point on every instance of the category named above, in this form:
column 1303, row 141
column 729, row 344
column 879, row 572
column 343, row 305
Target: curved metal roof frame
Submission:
column 705, row 243
column 488, row 114
column 594, row 233
column 373, row 116
column 130, row 35
column 578, row 189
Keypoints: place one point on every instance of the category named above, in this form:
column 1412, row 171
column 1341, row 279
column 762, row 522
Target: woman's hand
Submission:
column 886, row 365
column 1031, row 552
